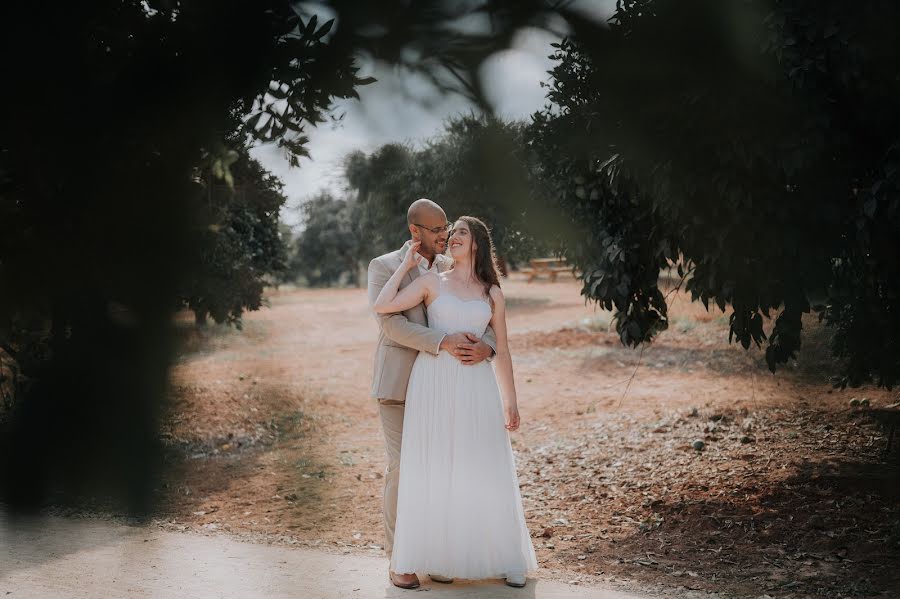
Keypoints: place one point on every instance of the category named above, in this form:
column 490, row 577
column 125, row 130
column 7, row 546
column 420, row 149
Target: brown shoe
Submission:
column 441, row 579
column 404, row 581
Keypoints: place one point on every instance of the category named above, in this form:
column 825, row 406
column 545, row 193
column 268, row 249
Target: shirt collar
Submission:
column 423, row 263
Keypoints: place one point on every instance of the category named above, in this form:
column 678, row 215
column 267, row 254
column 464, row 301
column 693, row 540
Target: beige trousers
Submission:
column 391, row 411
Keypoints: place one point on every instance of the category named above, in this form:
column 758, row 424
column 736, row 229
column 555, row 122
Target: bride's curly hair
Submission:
column 485, row 255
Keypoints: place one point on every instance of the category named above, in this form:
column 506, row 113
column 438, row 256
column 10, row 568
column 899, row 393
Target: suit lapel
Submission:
column 444, row 263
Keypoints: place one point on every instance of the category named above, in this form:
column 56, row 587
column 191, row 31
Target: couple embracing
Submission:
column 452, row 507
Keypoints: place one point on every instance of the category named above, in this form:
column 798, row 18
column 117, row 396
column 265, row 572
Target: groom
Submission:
column 402, row 337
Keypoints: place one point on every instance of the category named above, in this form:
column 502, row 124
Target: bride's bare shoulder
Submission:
column 497, row 295
column 431, row 280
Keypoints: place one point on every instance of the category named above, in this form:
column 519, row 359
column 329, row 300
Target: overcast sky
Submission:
column 388, row 112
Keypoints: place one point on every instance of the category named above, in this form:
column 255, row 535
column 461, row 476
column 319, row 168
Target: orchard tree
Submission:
column 327, row 249
column 111, row 107
column 485, row 170
column 384, row 182
column 240, row 246
column 479, row 166
column 752, row 144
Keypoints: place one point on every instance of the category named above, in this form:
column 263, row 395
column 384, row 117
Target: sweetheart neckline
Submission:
column 459, row 299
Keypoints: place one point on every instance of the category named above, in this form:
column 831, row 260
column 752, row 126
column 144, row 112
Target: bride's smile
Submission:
column 460, row 241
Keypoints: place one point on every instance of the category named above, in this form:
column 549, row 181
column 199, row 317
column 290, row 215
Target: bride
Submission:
column 459, row 511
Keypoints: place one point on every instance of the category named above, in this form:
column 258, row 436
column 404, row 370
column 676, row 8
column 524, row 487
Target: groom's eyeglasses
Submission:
column 435, row 230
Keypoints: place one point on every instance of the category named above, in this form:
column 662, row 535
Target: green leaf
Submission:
column 311, row 26
column 324, row 29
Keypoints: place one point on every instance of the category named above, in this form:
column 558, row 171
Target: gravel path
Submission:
column 87, row 559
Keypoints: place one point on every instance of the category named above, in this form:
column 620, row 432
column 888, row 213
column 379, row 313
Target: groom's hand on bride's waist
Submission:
column 467, row 348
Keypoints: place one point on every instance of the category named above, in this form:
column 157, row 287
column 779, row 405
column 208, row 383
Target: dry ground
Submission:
column 272, row 436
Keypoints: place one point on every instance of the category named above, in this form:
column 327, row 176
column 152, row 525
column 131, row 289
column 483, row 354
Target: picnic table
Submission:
column 550, row 267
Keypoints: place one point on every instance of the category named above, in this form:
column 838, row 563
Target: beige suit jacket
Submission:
column 403, row 335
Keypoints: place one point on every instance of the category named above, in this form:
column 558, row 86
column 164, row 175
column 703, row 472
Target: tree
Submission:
column 111, row 107
column 486, row 170
column 384, row 182
column 328, row 247
column 241, row 247
column 753, row 145
column 478, row 166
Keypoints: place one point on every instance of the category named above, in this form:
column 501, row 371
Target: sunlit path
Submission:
column 87, row 559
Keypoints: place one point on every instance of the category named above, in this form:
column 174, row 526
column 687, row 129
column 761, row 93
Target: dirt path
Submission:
column 91, row 559
column 273, row 438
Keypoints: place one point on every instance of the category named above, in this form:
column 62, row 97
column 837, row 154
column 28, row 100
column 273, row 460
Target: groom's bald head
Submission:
column 424, row 210
column 424, row 218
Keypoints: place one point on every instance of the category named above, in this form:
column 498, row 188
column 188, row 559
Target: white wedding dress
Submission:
column 459, row 511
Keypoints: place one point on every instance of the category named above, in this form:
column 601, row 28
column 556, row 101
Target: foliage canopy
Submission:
column 755, row 145
column 479, row 166
column 112, row 107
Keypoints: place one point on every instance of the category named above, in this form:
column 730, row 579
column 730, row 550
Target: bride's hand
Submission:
column 412, row 256
column 512, row 417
